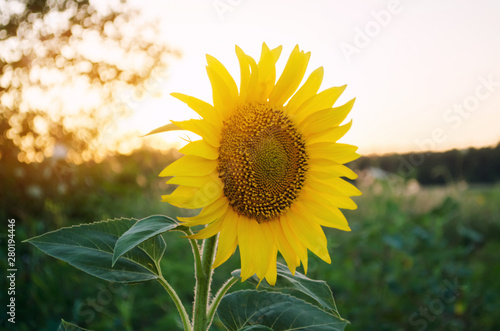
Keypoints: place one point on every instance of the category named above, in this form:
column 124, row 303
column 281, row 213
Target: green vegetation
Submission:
column 418, row 258
column 472, row 165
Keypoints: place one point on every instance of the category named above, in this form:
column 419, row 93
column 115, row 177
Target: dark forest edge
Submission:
column 471, row 165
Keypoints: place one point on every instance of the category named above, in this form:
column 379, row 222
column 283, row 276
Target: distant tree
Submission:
column 437, row 168
column 66, row 70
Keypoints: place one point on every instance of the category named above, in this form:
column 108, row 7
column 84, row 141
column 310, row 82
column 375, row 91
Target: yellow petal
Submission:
column 320, row 101
column 325, row 119
column 276, row 53
column 272, row 273
column 200, row 148
column 209, row 231
column 329, row 135
column 321, row 213
column 201, row 128
column 265, row 50
column 228, row 238
column 208, row 214
column 291, row 77
column 291, row 258
column 224, row 74
column 193, row 197
column 340, row 153
column 192, row 181
column 180, row 196
column 267, row 76
column 343, row 187
column 337, row 170
column 225, row 99
column 266, row 249
column 308, row 90
column 299, row 248
column 202, row 108
column 207, row 194
column 189, row 165
column 244, row 74
column 338, row 185
column 310, row 233
column 267, row 72
column 329, row 168
column 325, row 191
column 247, row 236
column 253, row 84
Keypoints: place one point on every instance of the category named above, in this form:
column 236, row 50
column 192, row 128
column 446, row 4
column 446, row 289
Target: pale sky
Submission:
column 425, row 74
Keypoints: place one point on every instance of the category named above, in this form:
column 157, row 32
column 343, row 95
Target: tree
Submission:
column 67, row 69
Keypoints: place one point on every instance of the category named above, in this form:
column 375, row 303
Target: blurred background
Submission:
column 82, row 81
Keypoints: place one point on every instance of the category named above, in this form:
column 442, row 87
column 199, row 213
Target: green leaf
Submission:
column 317, row 290
column 67, row 326
column 277, row 311
column 141, row 231
column 89, row 247
column 256, row 328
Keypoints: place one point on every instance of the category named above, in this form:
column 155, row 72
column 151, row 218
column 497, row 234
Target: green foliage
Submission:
column 143, row 231
column 66, row 326
column 50, row 195
column 129, row 251
column 276, row 311
column 407, row 245
column 89, row 247
column 253, row 310
column 417, row 259
column 316, row 292
column 256, row 328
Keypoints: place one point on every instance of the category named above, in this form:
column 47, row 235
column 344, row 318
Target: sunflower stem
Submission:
column 178, row 303
column 203, row 282
column 218, row 297
column 196, row 249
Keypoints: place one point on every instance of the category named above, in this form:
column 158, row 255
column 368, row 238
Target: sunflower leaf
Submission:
column 141, row 231
column 67, row 326
column 256, row 327
column 316, row 292
column 242, row 310
column 89, row 247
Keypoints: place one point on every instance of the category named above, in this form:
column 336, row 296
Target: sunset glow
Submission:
column 425, row 75
column 411, row 65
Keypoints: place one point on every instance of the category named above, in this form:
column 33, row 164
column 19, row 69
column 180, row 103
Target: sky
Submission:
column 425, row 74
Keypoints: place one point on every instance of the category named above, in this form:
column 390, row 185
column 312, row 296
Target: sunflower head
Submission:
column 262, row 161
column 268, row 170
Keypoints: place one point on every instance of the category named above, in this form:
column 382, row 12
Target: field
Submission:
column 418, row 257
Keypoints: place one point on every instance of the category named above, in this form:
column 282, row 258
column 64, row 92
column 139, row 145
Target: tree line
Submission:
column 472, row 165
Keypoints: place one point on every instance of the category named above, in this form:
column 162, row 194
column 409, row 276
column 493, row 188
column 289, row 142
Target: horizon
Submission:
column 368, row 155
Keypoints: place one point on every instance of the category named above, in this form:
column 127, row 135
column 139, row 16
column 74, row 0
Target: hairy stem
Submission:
column 218, row 297
column 196, row 250
column 203, row 281
column 178, row 303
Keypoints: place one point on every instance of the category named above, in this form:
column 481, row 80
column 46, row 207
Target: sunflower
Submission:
column 267, row 171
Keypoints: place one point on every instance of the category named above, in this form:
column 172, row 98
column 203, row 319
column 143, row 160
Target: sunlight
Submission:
column 403, row 92
column 408, row 98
